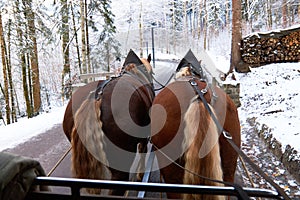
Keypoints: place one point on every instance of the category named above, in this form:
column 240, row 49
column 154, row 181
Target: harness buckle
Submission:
column 193, row 83
column 227, row 135
column 204, row 91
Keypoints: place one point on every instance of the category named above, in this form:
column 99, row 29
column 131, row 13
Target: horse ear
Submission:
column 132, row 58
column 149, row 58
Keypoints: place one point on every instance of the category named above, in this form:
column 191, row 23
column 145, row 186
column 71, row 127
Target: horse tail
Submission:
column 88, row 156
column 202, row 155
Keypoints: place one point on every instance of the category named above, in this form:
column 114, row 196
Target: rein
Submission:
column 228, row 137
column 59, row 161
column 162, row 86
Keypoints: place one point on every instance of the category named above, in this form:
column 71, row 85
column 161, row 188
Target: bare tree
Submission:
column 236, row 62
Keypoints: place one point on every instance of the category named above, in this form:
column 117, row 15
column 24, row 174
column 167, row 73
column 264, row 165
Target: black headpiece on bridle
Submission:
column 190, row 60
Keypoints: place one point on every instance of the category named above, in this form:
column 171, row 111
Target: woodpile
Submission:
column 272, row 47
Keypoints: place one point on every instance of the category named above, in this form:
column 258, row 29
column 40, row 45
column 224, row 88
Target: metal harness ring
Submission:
column 227, row 135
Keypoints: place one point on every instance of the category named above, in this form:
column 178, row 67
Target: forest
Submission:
column 46, row 45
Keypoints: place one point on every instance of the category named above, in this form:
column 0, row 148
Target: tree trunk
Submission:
column 284, row 14
column 205, row 26
column 167, row 31
column 185, row 24
column 22, row 57
column 83, row 41
column 236, row 60
column 87, row 40
column 199, row 19
column 174, row 27
column 11, row 85
column 299, row 11
column 65, row 48
column 1, row 115
column 29, row 78
column 76, row 38
column 141, row 29
column 193, row 20
column 4, row 65
column 269, row 11
column 227, row 14
column 33, row 58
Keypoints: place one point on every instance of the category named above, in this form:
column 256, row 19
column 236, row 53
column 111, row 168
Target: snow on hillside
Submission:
column 271, row 94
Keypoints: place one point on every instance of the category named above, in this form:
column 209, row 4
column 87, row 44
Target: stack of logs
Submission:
column 272, row 47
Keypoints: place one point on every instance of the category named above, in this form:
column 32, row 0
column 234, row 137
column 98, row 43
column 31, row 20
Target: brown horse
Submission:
column 187, row 140
column 111, row 123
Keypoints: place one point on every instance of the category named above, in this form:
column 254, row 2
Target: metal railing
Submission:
column 76, row 184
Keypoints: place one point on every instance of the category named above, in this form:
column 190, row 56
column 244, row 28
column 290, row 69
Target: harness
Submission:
column 240, row 191
column 100, row 87
column 143, row 75
column 228, row 137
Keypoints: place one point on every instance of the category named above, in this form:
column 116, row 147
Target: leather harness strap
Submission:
column 228, row 137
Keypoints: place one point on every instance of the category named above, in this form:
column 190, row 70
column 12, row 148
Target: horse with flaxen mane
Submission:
column 111, row 123
column 187, row 141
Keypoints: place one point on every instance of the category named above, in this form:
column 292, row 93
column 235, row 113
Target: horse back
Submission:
column 124, row 108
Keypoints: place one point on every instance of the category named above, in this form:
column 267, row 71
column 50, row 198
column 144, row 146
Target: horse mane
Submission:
column 184, row 71
column 203, row 153
column 133, row 66
column 143, row 70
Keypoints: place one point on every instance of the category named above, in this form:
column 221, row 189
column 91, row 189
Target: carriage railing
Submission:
column 76, row 184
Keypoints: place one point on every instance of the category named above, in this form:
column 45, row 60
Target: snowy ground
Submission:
column 271, row 95
column 24, row 129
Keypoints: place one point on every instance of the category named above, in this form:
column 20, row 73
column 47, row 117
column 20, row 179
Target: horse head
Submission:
column 138, row 66
column 184, row 71
column 189, row 66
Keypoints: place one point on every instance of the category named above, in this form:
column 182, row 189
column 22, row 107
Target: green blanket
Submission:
column 16, row 176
